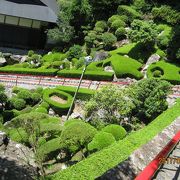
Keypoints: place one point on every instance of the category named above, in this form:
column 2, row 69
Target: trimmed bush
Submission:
column 75, row 52
column 54, row 57
column 108, row 40
column 41, row 110
column 91, row 75
column 113, row 18
column 120, row 33
column 129, row 12
column 100, row 141
column 102, row 25
column 46, row 72
column 35, row 97
column 117, row 24
column 49, row 150
column 170, row 71
column 126, row 67
column 24, row 94
column 71, row 121
column 117, row 131
column 18, row 103
column 57, row 106
column 118, row 152
column 77, row 135
column 157, row 73
column 83, row 93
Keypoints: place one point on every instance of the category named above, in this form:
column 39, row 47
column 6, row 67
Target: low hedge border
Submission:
column 171, row 72
column 83, row 93
column 46, row 72
column 100, row 162
column 57, row 107
column 91, row 75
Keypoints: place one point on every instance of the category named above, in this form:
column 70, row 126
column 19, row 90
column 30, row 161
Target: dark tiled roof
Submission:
column 43, row 10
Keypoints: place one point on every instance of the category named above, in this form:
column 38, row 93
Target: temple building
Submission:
column 24, row 23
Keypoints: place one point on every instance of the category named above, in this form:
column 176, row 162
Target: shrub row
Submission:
column 170, row 72
column 46, row 72
column 100, row 162
column 57, row 106
column 91, row 75
column 83, row 93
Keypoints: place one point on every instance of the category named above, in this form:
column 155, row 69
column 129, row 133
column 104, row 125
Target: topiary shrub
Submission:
column 102, row 25
column 129, row 12
column 79, row 63
column 100, row 141
column 35, row 97
column 41, row 110
column 117, row 131
column 24, row 94
column 113, row 18
column 120, row 33
column 58, row 107
column 75, row 52
column 108, row 40
column 76, row 136
column 157, row 73
column 30, row 53
column 117, row 24
column 17, row 103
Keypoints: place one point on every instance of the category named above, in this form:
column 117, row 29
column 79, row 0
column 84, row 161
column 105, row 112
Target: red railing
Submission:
column 150, row 170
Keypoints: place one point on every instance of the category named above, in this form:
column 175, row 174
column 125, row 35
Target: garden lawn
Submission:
column 126, row 67
column 171, row 72
column 97, row 164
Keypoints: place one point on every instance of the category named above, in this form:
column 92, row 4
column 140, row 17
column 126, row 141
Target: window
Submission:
column 12, row 20
column 25, row 22
column 2, row 18
column 36, row 24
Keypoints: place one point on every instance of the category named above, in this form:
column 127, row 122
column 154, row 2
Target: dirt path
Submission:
column 58, row 99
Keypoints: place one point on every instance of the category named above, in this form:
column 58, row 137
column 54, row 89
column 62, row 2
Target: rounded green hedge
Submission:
column 100, row 141
column 117, row 131
column 57, row 107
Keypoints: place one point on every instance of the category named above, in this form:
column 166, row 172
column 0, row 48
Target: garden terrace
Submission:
column 100, row 162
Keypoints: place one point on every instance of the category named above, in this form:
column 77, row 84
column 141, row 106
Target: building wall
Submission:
column 22, row 32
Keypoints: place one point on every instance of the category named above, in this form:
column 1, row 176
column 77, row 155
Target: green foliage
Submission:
column 113, row 18
column 112, row 101
column 83, row 93
column 49, row 149
column 117, row 24
column 129, row 12
column 30, row 53
column 170, row 72
column 100, row 141
column 47, row 72
column 24, row 94
column 144, row 32
column 150, row 98
column 17, row 103
column 117, row 153
column 75, row 52
column 117, row 131
column 41, row 110
column 102, row 25
column 167, row 14
column 76, row 136
column 108, row 40
column 92, row 75
column 157, row 73
column 54, row 57
column 80, row 63
column 120, row 33
column 3, row 96
column 58, row 107
column 126, row 67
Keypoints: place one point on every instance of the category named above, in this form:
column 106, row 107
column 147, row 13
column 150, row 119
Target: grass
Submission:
column 100, row 162
column 171, row 72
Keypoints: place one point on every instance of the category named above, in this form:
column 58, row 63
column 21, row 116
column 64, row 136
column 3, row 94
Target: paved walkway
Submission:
column 30, row 81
